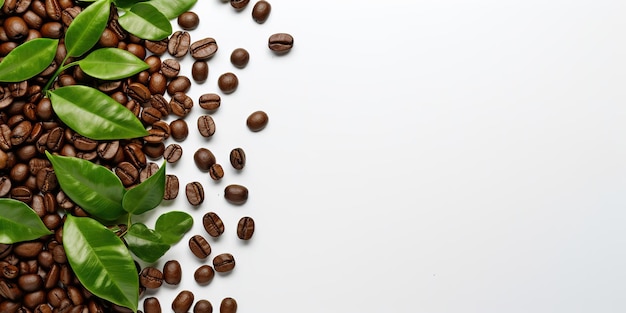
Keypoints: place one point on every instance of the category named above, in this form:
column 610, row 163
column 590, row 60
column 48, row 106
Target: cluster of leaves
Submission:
column 101, row 259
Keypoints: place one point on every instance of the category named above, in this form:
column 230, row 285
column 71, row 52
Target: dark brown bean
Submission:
column 151, row 305
column 28, row 250
column 203, row 306
column 157, row 83
column 206, row 125
column 151, row 277
column 172, row 272
column 170, row 68
column 134, row 155
column 195, row 193
column 213, row 224
column 199, row 246
column 257, row 121
column 203, row 49
column 178, row 84
column 157, row 47
column 238, row 158
column 240, row 57
column 239, row 4
column 148, row 171
column 171, row 187
column 204, row 274
column 210, row 101
column 224, row 262
column 179, row 129
column 245, row 228
column 228, row 305
column 172, row 153
column 216, row 171
column 280, row 42
column 127, row 173
column 228, row 82
column 261, row 11
column 178, row 44
column 188, row 20
column 236, row 194
column 200, row 71
column 181, row 104
column 204, row 158
column 183, row 301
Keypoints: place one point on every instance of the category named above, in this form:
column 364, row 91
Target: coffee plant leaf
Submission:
column 147, row 195
column 145, row 21
column 28, row 59
column 172, row 8
column 173, row 225
column 18, row 222
column 112, row 64
column 145, row 243
column 86, row 29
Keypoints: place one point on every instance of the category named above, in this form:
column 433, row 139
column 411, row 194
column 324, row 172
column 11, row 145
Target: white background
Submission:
column 421, row 156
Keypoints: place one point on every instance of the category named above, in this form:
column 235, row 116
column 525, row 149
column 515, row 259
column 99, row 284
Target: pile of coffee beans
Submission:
column 35, row 276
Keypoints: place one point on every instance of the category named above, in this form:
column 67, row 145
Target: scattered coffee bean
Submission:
column 236, row 194
column 183, row 301
column 203, row 49
column 206, row 125
column 172, row 153
column 172, row 272
column 178, row 44
column 203, row 306
column 228, row 305
column 204, row 274
column 199, row 247
column 200, row 71
column 151, row 305
column 179, row 129
column 151, row 277
column 261, row 11
column 170, row 68
column 238, row 158
column 245, row 228
column 213, row 224
column 216, row 171
column 280, row 42
column 239, row 4
column 257, row 121
column 228, row 82
column 195, row 193
column 210, row 101
column 178, row 84
column 240, row 57
column 224, row 262
column 188, row 20
column 171, row 187
column 204, row 158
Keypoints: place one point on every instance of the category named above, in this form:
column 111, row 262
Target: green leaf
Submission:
column 28, row 59
column 145, row 21
column 173, row 8
column 145, row 243
column 93, row 187
column 173, row 225
column 1, row 3
column 101, row 261
column 126, row 4
column 18, row 222
column 85, row 30
column 147, row 195
column 112, row 64
column 94, row 114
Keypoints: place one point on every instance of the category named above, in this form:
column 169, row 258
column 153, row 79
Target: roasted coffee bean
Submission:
column 68, row 15
column 183, row 301
column 52, row 279
column 199, row 247
column 203, row 306
column 228, row 305
column 206, row 125
column 15, row 28
column 154, row 150
column 178, row 44
column 172, row 272
column 5, row 249
column 10, row 290
column 134, row 107
column 15, row 6
column 171, row 187
column 159, row 102
column 261, row 11
column 245, row 228
column 139, row 92
column 172, row 153
column 75, row 295
column 22, row 193
column 55, row 139
column 188, row 20
column 239, row 4
column 20, row 132
column 170, row 68
column 195, row 193
column 224, row 262
column 154, row 62
column 8, row 270
column 151, row 277
column 5, row 137
column 280, row 42
column 178, row 84
column 83, row 143
column 179, row 129
column 46, row 180
column 19, row 173
column 9, row 307
column 200, row 71
column 138, row 50
column 240, row 57
column 157, row 83
column 213, row 224
column 18, row 89
column 108, row 149
column 45, row 308
column 157, row 47
column 216, row 171
column 236, row 194
column 150, row 115
column 127, row 173
column 257, row 121
column 238, row 158
column 228, row 82
column 44, row 109
column 204, row 158
column 45, row 259
column 5, row 186
column 148, row 171
column 52, row 30
column 53, row 9
column 52, row 221
column 134, row 155
column 181, row 104
column 151, row 305
column 204, row 274
column 203, row 49
column 30, row 282
column 210, row 101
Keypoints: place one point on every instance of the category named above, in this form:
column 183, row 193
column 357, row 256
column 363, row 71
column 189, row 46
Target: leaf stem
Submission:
column 128, row 224
column 56, row 74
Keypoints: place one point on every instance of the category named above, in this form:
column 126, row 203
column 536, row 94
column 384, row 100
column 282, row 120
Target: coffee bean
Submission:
column 224, row 262
column 261, row 11
column 204, row 274
column 245, row 228
column 216, row 171
column 157, row 47
column 10, row 290
column 107, row 150
column 16, row 6
column 33, row 299
column 203, row 49
column 199, row 247
column 210, row 101
column 151, row 277
column 150, row 115
column 240, row 57
column 28, row 250
column 8, row 270
column 127, row 173
column 203, row 306
column 53, row 9
column 52, row 279
column 179, row 129
column 257, row 121
column 157, row 83
column 206, row 125
column 172, row 272
column 213, row 224
column 228, row 82
column 238, row 158
column 46, row 180
column 20, row 132
column 134, row 155
column 170, row 68
column 195, row 193
column 52, row 30
column 139, row 92
column 45, row 308
column 154, row 150
column 280, row 42
column 236, row 194
column 148, row 171
column 204, row 158
column 228, row 305
column 183, row 301
column 239, row 4
column 151, row 305
column 178, row 84
column 15, row 28
column 178, row 44
column 188, row 20
column 200, row 71
column 138, row 50
column 172, row 153
column 155, row 64
column 171, row 187
column 5, row 186
column 5, row 249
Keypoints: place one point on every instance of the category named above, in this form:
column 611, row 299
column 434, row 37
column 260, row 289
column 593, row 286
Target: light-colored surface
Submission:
column 421, row 156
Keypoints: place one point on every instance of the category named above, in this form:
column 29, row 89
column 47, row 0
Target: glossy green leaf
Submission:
column 93, row 187
column 28, row 59
column 173, row 8
column 18, row 222
column 147, row 195
column 145, row 21
column 112, row 64
column 94, row 114
column 145, row 243
column 101, row 261
column 85, row 30
column 1, row 3
column 173, row 225
column 126, row 4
